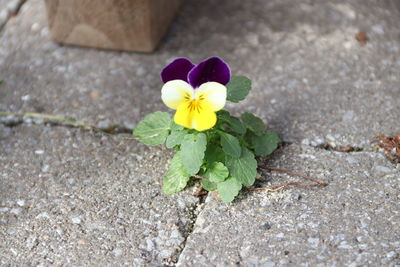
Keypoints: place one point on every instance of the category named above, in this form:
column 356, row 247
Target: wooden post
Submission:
column 129, row 25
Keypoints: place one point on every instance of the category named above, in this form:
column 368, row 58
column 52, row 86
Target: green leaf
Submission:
column 230, row 145
column 176, row 127
column 238, row 88
column 214, row 153
column 265, row 144
column 175, row 138
column 192, row 151
column 223, row 113
column 154, row 128
column 244, row 169
column 229, row 189
column 216, row 172
column 209, row 186
column 1, row 81
column 253, row 123
column 236, row 125
column 176, row 178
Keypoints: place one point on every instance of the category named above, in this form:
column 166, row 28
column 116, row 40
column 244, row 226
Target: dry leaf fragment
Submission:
column 391, row 144
column 362, row 38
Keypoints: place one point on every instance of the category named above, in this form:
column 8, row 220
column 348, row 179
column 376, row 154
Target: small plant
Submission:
column 210, row 143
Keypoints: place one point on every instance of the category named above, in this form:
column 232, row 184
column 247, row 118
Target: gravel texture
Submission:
column 72, row 197
column 312, row 80
column 354, row 221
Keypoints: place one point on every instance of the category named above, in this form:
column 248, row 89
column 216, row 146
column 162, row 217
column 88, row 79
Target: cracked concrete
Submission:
column 312, row 81
column 347, row 223
column 8, row 8
column 77, row 198
column 70, row 196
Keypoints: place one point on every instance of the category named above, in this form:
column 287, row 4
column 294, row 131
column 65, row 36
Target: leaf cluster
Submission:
column 223, row 157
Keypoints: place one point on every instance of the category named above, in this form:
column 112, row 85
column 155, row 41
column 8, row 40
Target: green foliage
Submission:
column 175, row 138
column 265, row 144
column 214, row 153
column 253, row 123
column 192, row 151
column 176, row 127
column 209, row 186
column 223, row 157
column 231, row 122
column 236, row 125
column 229, row 189
column 238, row 88
column 154, row 128
column 176, row 178
column 216, row 172
column 230, row 145
column 243, row 169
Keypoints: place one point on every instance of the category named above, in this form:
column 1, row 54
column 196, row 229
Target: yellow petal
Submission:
column 213, row 93
column 175, row 92
column 183, row 115
column 204, row 120
column 195, row 115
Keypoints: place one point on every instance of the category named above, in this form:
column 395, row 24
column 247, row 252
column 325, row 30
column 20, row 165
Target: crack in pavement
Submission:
column 344, row 149
column 114, row 129
column 15, row 121
column 188, row 229
column 193, row 214
column 12, row 9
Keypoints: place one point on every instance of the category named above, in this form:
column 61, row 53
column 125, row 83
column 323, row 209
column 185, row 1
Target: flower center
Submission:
column 194, row 105
column 194, row 102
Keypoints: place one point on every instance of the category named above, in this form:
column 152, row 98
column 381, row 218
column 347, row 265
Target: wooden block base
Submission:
column 128, row 25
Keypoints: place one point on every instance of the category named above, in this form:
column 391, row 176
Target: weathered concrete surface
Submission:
column 8, row 8
column 354, row 221
column 313, row 82
column 72, row 197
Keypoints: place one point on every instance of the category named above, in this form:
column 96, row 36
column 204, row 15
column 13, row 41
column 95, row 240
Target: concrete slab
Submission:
column 8, row 8
column 313, row 82
column 76, row 198
column 354, row 221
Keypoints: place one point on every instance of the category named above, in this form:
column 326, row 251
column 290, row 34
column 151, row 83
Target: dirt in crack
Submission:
column 344, row 149
column 391, row 145
column 11, row 120
column 186, row 229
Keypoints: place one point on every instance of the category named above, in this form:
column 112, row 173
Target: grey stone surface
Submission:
column 72, row 197
column 313, row 82
column 354, row 221
column 8, row 8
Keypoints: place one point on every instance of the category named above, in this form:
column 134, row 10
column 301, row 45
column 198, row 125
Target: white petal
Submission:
column 213, row 93
column 174, row 92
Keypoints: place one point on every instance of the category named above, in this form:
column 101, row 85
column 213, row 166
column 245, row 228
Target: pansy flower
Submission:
column 196, row 92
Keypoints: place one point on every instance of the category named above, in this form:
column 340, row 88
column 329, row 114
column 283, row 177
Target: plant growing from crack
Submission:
column 211, row 145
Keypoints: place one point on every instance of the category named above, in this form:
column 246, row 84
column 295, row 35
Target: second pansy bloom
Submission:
column 196, row 92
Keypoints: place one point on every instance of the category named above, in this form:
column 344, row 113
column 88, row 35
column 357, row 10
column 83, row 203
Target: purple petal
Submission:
column 177, row 70
column 212, row 69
